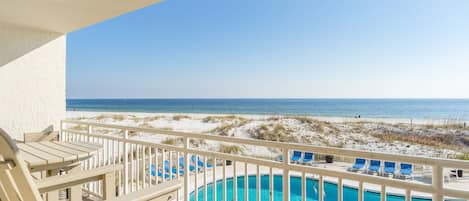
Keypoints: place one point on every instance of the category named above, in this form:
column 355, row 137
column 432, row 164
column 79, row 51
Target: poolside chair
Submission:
column 375, row 166
column 406, row 170
column 166, row 169
column 308, row 158
column 390, row 167
column 182, row 164
column 200, row 163
column 359, row 164
column 18, row 184
column 296, row 156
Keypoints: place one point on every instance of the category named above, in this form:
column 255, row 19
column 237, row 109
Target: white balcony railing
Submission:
column 139, row 156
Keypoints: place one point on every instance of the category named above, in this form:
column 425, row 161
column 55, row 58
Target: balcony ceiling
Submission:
column 64, row 16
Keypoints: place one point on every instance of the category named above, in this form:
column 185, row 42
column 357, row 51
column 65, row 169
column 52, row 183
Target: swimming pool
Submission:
column 330, row 190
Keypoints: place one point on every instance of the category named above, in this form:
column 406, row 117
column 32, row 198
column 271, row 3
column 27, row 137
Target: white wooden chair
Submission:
column 17, row 183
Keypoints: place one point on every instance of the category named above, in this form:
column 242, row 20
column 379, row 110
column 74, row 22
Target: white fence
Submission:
column 144, row 165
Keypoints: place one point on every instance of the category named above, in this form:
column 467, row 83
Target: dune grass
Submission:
column 231, row 149
column 435, row 140
column 180, row 117
column 172, row 141
column 273, row 132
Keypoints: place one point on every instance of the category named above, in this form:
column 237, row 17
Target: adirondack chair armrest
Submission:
column 164, row 191
column 106, row 174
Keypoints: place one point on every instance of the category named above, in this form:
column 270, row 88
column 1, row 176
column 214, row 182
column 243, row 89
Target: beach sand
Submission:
column 355, row 133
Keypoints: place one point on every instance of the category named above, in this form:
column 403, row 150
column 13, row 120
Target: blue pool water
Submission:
column 330, row 191
column 372, row 108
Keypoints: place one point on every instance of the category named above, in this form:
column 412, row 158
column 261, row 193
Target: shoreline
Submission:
column 333, row 119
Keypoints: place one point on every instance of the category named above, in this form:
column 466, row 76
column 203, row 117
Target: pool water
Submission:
column 330, row 191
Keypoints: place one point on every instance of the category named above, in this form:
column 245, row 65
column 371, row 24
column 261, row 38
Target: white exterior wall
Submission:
column 32, row 79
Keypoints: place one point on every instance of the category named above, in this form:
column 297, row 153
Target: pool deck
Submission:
column 419, row 177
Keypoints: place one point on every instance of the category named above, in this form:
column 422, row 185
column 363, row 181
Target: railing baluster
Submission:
column 196, row 165
column 360, row 191
column 383, row 193
column 102, row 159
column 186, row 169
column 224, row 181
column 157, row 164
column 303, row 186
column 286, row 176
column 150, row 163
column 340, row 190
column 132, row 168
column 214, row 180
column 163, row 164
column 408, row 195
column 235, row 181
column 108, row 150
column 205, row 177
column 137, row 166
column 437, row 182
column 119, row 162
column 95, row 165
column 126, row 162
column 178, row 171
column 321, row 188
column 144, row 175
column 155, row 176
column 170, row 160
column 271, row 185
column 246, row 182
column 258, row 183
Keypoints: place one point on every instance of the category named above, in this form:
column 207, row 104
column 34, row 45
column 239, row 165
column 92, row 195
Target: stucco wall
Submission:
column 32, row 79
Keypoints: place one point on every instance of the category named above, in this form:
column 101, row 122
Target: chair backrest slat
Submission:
column 41, row 136
column 18, row 185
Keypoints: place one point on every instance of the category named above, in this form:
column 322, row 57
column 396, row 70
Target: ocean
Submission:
column 437, row 109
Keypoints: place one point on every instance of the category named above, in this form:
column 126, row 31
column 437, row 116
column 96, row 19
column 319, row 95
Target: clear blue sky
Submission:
column 275, row 49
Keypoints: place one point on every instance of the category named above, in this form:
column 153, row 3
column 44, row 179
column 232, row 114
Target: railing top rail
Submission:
column 450, row 163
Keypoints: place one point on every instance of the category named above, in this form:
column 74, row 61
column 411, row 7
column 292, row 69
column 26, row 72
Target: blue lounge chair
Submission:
column 296, row 156
column 359, row 164
column 160, row 174
column 200, row 163
column 182, row 164
column 406, row 169
column 375, row 166
column 389, row 167
column 166, row 175
column 308, row 158
column 166, row 169
column 174, row 170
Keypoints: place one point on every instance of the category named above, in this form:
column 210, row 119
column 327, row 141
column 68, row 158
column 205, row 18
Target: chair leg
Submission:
column 75, row 191
column 109, row 186
column 53, row 195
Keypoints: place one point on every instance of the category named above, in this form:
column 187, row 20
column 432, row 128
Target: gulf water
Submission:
column 439, row 109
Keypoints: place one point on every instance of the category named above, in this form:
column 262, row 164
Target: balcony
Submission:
column 146, row 163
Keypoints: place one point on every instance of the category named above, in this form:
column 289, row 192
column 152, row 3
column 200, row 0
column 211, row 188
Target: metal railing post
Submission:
column 437, row 183
column 286, row 175
column 62, row 127
column 186, row 170
column 90, row 130
column 126, row 162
